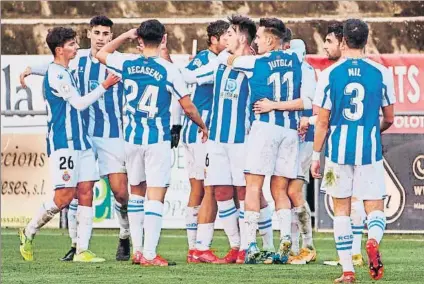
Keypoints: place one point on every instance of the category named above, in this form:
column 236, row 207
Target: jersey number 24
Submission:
column 147, row 102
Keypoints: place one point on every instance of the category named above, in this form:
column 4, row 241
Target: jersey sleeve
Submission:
column 322, row 92
column 245, row 64
column 115, row 62
column 203, row 75
column 308, row 86
column 61, row 85
column 176, row 84
column 388, row 97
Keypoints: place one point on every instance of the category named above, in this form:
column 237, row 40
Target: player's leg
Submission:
column 279, row 186
column 241, row 194
column 195, row 164
column 72, row 228
column 158, row 174
column 261, row 156
column 134, row 161
column 265, row 225
column 371, row 178
column 111, row 161
column 88, row 175
column 357, row 215
column 338, row 183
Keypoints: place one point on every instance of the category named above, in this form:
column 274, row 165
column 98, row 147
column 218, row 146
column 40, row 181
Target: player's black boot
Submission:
column 123, row 251
column 69, row 256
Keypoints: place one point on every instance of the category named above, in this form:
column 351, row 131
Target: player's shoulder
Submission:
column 168, row 67
column 202, row 58
column 333, row 68
column 380, row 67
column 306, row 66
column 84, row 52
column 57, row 72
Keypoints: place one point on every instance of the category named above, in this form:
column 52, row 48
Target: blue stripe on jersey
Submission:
column 98, row 115
column 110, row 110
column 214, row 122
column 201, row 96
column 80, row 73
column 309, row 137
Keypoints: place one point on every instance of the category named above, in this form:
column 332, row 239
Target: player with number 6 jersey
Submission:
column 149, row 83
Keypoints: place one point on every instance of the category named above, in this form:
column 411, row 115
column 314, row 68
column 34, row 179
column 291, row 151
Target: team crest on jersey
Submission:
column 92, row 84
column 60, row 76
column 66, row 176
column 197, row 62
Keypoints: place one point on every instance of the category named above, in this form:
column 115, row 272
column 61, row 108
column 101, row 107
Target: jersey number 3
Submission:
column 357, row 93
column 148, row 100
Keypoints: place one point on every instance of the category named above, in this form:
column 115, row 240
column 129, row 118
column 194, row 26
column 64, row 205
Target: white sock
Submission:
column 122, row 215
column 204, row 236
column 344, row 238
column 357, row 216
column 72, row 221
column 305, row 225
column 265, row 228
column 136, row 220
column 228, row 214
column 242, row 226
column 295, row 234
column 191, row 225
column 251, row 219
column 152, row 228
column 376, row 223
column 284, row 218
column 43, row 216
column 84, row 227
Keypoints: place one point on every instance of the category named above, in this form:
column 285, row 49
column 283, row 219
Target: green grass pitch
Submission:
column 403, row 257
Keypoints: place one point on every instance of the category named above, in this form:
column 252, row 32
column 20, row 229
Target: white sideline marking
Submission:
column 185, row 21
column 184, row 237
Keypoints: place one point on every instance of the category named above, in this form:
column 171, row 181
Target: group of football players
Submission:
column 252, row 107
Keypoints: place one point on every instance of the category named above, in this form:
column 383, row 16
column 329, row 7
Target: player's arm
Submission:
column 40, row 70
column 244, row 63
column 388, row 101
column 64, row 88
column 176, row 122
column 203, row 75
column 113, row 45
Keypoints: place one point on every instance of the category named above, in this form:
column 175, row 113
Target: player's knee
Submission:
column 241, row 193
column 121, row 196
column 63, row 197
column 224, row 193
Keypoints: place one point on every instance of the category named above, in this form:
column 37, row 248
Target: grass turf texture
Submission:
column 403, row 256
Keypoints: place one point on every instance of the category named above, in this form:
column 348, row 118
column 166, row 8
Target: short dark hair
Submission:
column 355, row 33
column 101, row 21
column 151, row 32
column 245, row 25
column 273, row 26
column 336, row 28
column 216, row 29
column 58, row 36
column 287, row 36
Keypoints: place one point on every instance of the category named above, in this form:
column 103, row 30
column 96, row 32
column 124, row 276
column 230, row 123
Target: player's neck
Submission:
column 150, row 52
column 244, row 50
column 61, row 61
column 353, row 53
column 93, row 52
column 214, row 49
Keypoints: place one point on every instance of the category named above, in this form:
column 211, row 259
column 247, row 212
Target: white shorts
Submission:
column 110, row 155
column 195, row 154
column 68, row 167
column 305, row 160
column 150, row 163
column 224, row 164
column 365, row 182
column 272, row 150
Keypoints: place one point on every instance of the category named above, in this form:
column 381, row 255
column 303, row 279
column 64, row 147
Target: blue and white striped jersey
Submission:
column 201, row 95
column 148, row 86
column 309, row 84
column 276, row 76
column 354, row 90
column 65, row 129
column 229, row 117
column 104, row 117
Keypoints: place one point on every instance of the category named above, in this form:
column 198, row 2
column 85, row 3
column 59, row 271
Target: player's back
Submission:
column 277, row 76
column 64, row 122
column 356, row 89
column 148, row 84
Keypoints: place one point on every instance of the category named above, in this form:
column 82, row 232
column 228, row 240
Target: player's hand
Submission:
column 316, row 169
column 111, row 80
column 205, row 134
column 23, row 75
column 132, row 34
column 263, row 106
column 175, row 135
column 303, row 126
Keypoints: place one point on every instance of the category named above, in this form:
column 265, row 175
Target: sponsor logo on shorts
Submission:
column 66, row 176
